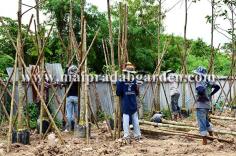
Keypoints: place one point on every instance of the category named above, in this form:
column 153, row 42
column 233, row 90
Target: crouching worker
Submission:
column 72, row 98
column 205, row 90
column 127, row 89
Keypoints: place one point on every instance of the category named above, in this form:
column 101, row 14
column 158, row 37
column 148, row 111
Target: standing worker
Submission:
column 205, row 90
column 128, row 90
column 174, row 94
column 72, row 98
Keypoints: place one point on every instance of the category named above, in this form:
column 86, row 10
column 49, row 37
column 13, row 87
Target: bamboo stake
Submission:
column 34, row 85
column 92, row 113
column 71, row 83
column 9, row 135
column 167, row 100
column 43, row 102
column 105, row 53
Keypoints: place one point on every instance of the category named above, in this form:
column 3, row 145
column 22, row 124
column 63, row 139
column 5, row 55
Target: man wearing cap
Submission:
column 128, row 90
column 204, row 93
column 72, row 98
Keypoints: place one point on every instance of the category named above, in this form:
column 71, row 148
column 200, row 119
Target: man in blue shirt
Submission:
column 204, row 93
column 128, row 90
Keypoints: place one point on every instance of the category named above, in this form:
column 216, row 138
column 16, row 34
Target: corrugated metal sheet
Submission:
column 103, row 89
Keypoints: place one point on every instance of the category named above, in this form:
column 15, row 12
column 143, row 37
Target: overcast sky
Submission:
column 174, row 21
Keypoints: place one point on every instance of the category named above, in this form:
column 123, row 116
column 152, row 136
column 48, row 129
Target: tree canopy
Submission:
column 142, row 39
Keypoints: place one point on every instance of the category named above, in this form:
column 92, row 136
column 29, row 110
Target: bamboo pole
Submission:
column 222, row 117
column 152, row 131
column 71, row 83
column 3, row 92
column 104, row 51
column 177, row 123
column 9, row 134
column 34, row 85
column 92, row 113
column 184, row 127
column 42, row 100
column 168, row 104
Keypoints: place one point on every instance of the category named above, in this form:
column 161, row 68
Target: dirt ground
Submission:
column 102, row 144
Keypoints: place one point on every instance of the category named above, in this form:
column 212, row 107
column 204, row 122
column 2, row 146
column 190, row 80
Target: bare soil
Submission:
column 102, row 144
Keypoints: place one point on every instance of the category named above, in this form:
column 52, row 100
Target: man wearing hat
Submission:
column 128, row 90
column 204, row 93
column 72, row 98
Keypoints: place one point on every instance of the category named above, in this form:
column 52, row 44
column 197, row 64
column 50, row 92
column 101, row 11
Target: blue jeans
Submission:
column 135, row 123
column 203, row 121
column 71, row 109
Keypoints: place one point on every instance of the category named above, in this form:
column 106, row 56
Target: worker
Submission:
column 72, row 98
column 205, row 90
column 174, row 94
column 127, row 89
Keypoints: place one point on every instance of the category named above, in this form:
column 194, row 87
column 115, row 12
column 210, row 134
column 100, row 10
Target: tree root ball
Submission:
column 21, row 136
column 45, row 125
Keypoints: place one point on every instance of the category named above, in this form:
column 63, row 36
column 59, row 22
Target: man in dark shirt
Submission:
column 128, row 90
column 72, row 98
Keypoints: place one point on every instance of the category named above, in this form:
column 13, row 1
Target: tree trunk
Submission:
column 110, row 34
column 43, row 114
column 185, row 56
column 84, row 87
column 211, row 64
column 21, row 89
column 157, row 98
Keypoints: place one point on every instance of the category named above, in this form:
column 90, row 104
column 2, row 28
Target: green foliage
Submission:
column 101, row 116
column 142, row 38
column 33, row 113
column 6, row 61
column 166, row 114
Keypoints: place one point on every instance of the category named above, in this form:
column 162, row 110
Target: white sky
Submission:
column 174, row 21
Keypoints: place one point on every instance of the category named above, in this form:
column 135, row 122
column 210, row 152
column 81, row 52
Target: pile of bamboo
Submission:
column 178, row 128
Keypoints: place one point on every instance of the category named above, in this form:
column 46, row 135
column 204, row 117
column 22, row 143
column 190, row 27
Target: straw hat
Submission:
column 129, row 68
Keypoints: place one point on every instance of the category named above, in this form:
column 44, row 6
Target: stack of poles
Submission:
column 179, row 128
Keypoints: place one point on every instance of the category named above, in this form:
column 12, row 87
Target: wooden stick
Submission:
column 92, row 113
column 104, row 51
column 9, row 136
column 167, row 100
